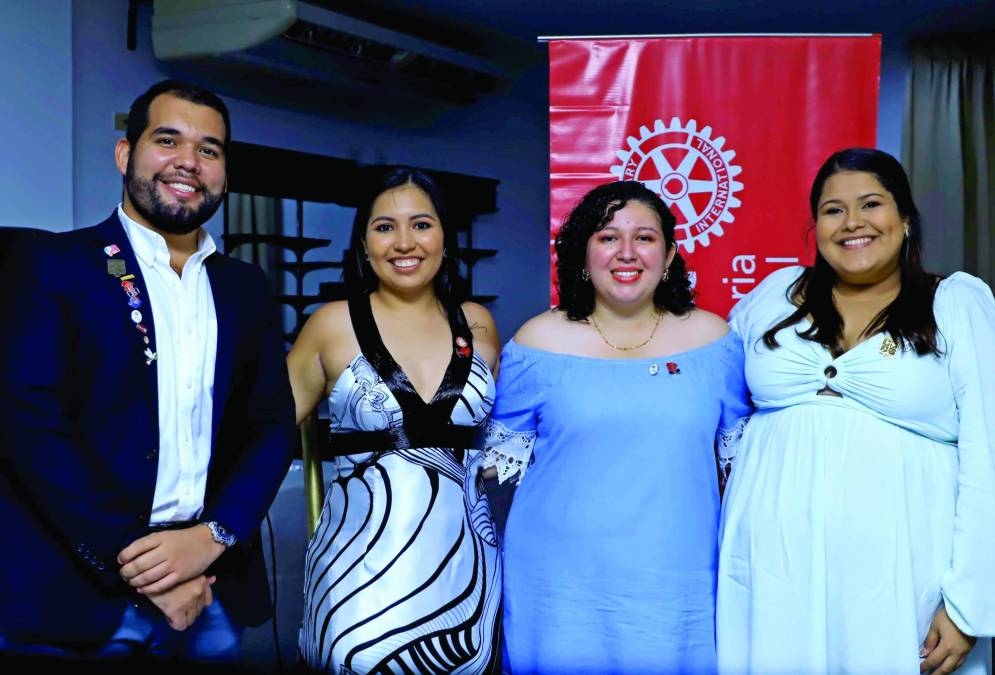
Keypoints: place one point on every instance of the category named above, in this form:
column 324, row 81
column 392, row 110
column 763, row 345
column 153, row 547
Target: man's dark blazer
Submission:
column 79, row 433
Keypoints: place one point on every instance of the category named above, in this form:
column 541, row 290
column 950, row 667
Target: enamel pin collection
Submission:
column 117, row 268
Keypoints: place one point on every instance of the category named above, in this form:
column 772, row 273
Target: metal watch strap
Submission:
column 220, row 534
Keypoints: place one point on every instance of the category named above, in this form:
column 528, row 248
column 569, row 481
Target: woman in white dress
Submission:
column 857, row 526
column 403, row 572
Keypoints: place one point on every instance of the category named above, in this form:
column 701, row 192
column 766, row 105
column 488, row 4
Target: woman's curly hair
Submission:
column 594, row 211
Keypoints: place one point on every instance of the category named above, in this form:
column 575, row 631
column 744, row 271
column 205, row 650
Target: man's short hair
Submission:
column 138, row 115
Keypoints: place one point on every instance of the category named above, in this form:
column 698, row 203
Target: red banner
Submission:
column 728, row 130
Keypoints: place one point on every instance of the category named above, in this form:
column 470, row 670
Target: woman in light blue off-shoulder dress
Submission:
column 609, row 411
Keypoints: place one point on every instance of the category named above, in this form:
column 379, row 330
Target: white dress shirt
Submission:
column 185, row 341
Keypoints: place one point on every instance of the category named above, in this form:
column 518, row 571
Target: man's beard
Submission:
column 179, row 219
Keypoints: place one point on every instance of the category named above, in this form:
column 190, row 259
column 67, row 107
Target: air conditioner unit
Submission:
column 305, row 42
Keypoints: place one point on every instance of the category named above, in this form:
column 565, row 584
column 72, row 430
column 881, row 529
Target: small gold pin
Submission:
column 888, row 346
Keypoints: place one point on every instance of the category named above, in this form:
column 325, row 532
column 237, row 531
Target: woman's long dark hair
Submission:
column 449, row 286
column 594, row 211
column 909, row 318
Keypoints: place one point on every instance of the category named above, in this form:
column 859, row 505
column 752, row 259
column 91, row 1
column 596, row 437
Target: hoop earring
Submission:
column 585, row 275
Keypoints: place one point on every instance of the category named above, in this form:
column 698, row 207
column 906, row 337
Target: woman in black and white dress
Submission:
column 403, row 572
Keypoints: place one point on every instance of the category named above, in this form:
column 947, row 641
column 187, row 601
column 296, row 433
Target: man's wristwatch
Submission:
column 220, row 534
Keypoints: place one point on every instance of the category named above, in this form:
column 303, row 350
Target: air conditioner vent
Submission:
column 370, row 51
column 292, row 42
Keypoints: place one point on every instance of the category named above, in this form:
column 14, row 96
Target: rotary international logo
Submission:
column 690, row 171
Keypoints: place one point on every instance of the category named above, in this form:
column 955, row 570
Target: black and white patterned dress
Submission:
column 403, row 574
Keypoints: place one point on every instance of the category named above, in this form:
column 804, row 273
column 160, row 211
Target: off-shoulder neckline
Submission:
column 728, row 337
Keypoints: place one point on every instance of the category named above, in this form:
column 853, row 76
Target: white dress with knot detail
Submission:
column 849, row 520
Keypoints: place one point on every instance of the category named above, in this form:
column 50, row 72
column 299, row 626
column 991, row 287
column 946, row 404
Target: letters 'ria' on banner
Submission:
column 728, row 130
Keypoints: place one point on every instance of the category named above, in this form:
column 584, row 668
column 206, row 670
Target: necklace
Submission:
column 659, row 317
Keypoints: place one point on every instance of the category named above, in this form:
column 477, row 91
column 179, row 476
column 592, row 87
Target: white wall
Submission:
column 36, row 107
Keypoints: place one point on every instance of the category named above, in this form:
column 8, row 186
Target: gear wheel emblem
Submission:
column 691, row 173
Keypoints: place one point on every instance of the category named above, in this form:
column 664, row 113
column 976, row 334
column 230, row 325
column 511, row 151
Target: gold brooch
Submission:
column 888, row 346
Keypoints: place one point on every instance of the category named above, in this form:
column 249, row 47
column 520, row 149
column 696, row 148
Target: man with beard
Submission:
column 145, row 412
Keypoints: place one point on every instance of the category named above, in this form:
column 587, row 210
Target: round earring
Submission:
column 666, row 273
column 585, row 275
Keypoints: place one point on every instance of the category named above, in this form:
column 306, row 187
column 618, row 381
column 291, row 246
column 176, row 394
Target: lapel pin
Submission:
column 150, row 356
column 888, row 346
column 111, row 250
column 132, row 290
column 462, row 347
column 116, row 268
column 136, row 316
column 673, row 368
column 127, row 277
column 654, row 369
column 133, row 300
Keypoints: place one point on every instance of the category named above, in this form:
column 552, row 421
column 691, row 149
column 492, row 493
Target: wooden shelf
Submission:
column 291, row 174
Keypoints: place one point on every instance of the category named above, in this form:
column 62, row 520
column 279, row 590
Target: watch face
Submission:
column 220, row 534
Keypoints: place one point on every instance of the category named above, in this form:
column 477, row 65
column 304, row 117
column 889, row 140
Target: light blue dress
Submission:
column 611, row 543
column 847, row 520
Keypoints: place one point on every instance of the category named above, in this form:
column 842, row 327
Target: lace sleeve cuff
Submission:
column 727, row 445
column 507, row 450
